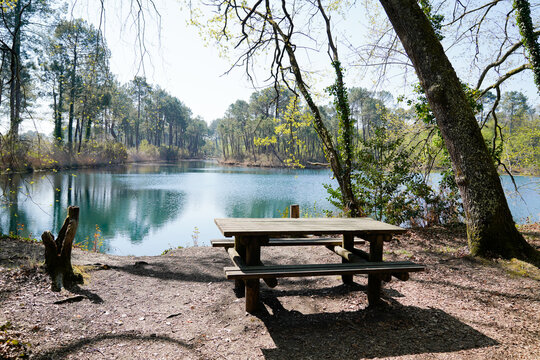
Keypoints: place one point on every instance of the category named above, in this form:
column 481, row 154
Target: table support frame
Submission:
column 249, row 249
column 375, row 255
column 348, row 244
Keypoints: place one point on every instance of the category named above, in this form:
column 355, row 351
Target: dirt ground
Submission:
column 180, row 306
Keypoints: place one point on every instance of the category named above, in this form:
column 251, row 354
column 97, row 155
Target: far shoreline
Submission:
column 219, row 161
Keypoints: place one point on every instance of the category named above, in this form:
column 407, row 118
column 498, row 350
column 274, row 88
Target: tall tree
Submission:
column 15, row 67
column 16, row 45
column 490, row 227
column 139, row 88
column 76, row 42
column 514, row 103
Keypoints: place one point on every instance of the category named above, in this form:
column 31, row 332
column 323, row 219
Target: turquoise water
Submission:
column 145, row 209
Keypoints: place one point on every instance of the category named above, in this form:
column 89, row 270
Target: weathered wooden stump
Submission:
column 58, row 252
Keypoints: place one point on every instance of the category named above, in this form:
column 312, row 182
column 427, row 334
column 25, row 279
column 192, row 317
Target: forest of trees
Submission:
column 51, row 65
column 267, row 130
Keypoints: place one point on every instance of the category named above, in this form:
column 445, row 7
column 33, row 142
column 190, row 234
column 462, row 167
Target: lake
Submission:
column 144, row 209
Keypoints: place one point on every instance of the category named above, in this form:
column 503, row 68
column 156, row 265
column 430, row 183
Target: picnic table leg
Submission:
column 374, row 281
column 239, row 286
column 348, row 244
column 253, row 257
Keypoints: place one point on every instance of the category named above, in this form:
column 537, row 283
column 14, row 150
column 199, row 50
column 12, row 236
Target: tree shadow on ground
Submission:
column 16, row 253
column 385, row 331
column 454, row 235
column 479, row 290
column 198, row 271
column 74, row 347
column 93, row 297
column 322, row 292
column 532, row 257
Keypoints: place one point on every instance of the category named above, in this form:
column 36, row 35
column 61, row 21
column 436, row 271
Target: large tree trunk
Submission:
column 72, row 98
column 15, row 85
column 58, row 253
column 58, row 133
column 490, row 228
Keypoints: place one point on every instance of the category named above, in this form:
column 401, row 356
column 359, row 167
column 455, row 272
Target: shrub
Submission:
column 169, row 153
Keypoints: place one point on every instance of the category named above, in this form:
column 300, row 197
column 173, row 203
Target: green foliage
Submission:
column 100, row 109
column 78, row 70
column 273, row 128
column 435, row 19
column 7, row 4
column 444, row 205
column 169, row 153
column 516, row 142
column 148, row 150
column 521, row 149
column 166, row 251
column 386, row 183
column 115, row 152
column 310, row 212
column 102, row 153
column 423, row 110
column 384, row 178
column 288, row 128
column 46, row 155
column 434, row 150
column 343, row 113
column 529, row 38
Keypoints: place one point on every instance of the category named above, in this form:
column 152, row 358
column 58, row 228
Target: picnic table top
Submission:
column 303, row 226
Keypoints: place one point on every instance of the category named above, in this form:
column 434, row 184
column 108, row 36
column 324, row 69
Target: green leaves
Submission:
column 287, row 129
column 435, row 19
column 384, row 178
column 345, row 125
column 529, row 38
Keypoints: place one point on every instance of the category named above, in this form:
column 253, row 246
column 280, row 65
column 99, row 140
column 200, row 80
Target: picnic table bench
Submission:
column 251, row 234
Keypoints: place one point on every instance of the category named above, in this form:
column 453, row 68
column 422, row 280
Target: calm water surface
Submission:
column 145, row 209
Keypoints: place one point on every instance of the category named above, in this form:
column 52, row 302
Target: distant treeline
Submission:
column 274, row 128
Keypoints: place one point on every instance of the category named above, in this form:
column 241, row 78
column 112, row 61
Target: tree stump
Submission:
column 58, row 252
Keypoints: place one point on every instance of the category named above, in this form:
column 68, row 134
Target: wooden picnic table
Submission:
column 250, row 234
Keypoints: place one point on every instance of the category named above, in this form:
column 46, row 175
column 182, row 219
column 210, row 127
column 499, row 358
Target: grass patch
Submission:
column 83, row 271
column 19, row 238
column 403, row 252
column 447, row 250
column 166, row 251
column 520, row 268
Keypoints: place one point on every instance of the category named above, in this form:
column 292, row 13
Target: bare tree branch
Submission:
column 505, row 77
column 499, row 61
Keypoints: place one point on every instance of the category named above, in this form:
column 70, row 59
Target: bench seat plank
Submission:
column 290, row 242
column 255, row 272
